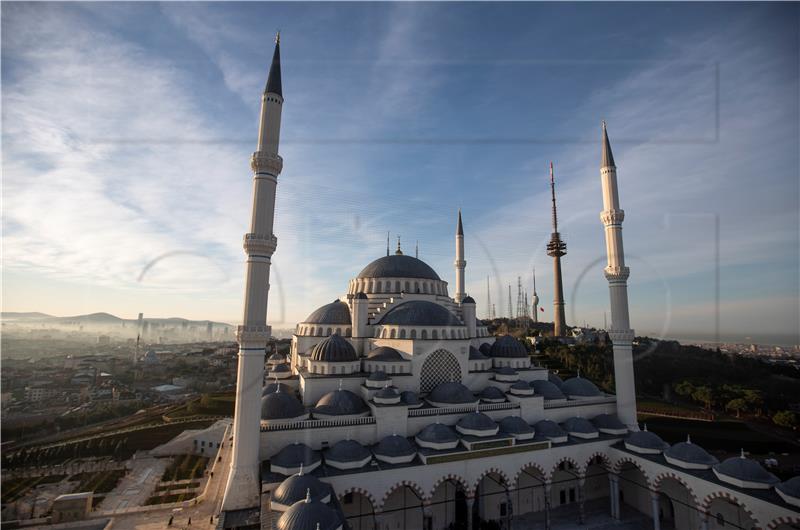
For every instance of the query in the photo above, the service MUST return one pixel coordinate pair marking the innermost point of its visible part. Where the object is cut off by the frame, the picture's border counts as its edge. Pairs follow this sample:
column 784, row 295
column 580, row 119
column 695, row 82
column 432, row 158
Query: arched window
column 319, row 331
column 424, row 334
column 452, row 333
column 425, row 288
column 329, row 331
column 347, row 332
column 394, row 333
column 435, row 335
column 397, row 286
column 385, row 333
column 378, row 287
column 444, row 334
column 377, row 332
column 393, row 368
column 440, row 366
column 416, row 287
column 408, row 286
column 413, row 333
column 339, row 331
column 402, row 333
column 322, row 369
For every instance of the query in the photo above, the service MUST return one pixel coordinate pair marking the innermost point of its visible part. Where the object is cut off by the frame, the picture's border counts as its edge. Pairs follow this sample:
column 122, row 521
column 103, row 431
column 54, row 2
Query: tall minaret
column 244, row 482
column 460, row 262
column 535, row 299
column 617, row 275
column 556, row 248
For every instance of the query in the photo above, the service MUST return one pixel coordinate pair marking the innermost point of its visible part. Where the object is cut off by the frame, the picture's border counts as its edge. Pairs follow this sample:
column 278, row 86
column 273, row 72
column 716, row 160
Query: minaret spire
column 460, row 263
column 244, row 480
column 387, row 243
column 556, row 248
column 617, row 275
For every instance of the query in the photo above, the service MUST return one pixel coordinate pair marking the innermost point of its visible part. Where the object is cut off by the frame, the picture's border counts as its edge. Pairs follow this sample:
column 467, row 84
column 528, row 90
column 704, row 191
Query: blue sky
column 127, row 130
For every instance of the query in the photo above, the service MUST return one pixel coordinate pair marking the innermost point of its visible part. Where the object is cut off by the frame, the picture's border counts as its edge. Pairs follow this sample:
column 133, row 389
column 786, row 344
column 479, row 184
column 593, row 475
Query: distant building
column 71, row 507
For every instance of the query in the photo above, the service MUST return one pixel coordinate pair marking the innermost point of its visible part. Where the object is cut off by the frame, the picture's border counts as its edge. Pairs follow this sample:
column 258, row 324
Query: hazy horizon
column 127, row 130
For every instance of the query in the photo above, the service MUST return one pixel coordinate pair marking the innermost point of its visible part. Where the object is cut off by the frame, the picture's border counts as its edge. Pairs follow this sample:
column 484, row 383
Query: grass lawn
column 98, row 481
column 185, row 467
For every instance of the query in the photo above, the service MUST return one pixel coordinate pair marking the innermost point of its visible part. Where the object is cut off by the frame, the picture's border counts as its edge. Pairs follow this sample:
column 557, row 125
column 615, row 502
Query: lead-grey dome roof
column 745, row 469
column 691, row 454
column 293, row 455
column 309, row 515
column 388, row 392
column 394, row 445
column 337, row 312
column 553, row 378
column 420, row 313
column 409, row 398
column 334, row 349
column 468, row 300
column 475, row 354
column 485, row 348
column 580, row 386
column 547, row 389
column 549, row 429
column 437, row 433
column 646, row 440
column 272, row 387
column 340, row 403
column 379, row 375
column 515, row 425
column 505, row 370
column 791, row 487
column 492, row 392
column 385, row 353
column 579, row 425
column 451, row 392
column 507, row 346
column 347, row 451
column 398, row 266
column 280, row 406
column 608, row 421
column 477, row 421
column 297, row 487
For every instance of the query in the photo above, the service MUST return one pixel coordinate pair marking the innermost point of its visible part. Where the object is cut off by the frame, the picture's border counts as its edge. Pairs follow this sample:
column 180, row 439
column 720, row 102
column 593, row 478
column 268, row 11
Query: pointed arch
column 606, row 461
column 507, row 482
column 535, row 465
column 561, row 460
column 360, row 491
column 451, row 477
column 630, row 460
column 413, row 486
column 724, row 495
column 670, row 475
column 788, row 520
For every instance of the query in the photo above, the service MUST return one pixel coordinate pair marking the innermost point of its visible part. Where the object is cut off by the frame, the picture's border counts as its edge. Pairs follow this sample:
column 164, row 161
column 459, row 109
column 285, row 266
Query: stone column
column 470, row 504
column 509, row 509
column 548, row 488
column 427, row 515
column 703, row 520
column 581, row 503
column 656, row 518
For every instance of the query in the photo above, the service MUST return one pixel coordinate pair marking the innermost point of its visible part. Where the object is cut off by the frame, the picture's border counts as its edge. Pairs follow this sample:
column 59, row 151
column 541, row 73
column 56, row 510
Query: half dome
column 507, row 346
column 340, row 403
column 451, row 393
column 334, row 349
column 420, row 313
column 337, row 312
column 385, row 354
column 281, row 406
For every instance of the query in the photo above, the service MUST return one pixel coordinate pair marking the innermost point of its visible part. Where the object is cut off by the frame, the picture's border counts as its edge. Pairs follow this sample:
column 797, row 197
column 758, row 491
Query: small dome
column 295, row 455
column 280, row 368
column 689, row 453
column 515, row 425
column 485, row 348
column 340, row 403
column 451, row 393
column 394, row 446
column 468, row 300
column 477, row 421
column 579, row 426
column 380, row 375
column 361, row 296
column 790, row 491
column 337, row 312
column 505, row 370
column 276, row 387
column 739, row 470
column 388, row 392
column 298, row 486
column 608, row 423
column 521, row 388
column 276, row 358
column 410, row 398
column 385, row 353
column 553, row 378
column 492, row 393
column 547, row 389
column 475, row 354
column 334, row 349
column 507, row 346
column 347, row 451
column 437, row 433
column 549, row 429
column 581, row 387
column 281, row 406
column 420, row 313
column 309, row 515
column 644, row 440
column 398, row 266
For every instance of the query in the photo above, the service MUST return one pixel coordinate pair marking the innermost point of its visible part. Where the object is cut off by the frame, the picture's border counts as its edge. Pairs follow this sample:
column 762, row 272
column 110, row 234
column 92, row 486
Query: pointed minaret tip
column 460, row 227
column 607, row 159
column 274, row 77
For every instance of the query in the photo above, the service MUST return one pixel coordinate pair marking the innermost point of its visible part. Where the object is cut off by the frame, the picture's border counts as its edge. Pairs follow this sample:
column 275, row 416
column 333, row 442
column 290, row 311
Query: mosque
column 396, row 409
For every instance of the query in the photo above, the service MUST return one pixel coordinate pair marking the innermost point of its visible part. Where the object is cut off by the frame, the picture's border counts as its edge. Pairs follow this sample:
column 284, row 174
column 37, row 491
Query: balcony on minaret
column 556, row 247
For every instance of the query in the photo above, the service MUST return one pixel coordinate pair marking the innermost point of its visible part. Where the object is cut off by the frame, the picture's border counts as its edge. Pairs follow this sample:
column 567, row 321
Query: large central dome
column 398, row 266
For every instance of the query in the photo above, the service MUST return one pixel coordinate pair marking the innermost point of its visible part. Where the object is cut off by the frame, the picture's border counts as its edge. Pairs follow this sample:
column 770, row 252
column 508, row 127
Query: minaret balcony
column 616, row 274
column 250, row 334
column 612, row 217
column 261, row 244
column 268, row 163
column 620, row 335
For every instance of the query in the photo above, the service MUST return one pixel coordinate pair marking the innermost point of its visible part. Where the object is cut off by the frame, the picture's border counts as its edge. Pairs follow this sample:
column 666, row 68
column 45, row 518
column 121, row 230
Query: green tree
column 737, row 405
column 785, row 418
column 704, row 395
column 754, row 400
column 684, row 388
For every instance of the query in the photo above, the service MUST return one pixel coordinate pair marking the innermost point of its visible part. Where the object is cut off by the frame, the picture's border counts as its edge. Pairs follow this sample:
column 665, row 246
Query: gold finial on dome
column 398, row 252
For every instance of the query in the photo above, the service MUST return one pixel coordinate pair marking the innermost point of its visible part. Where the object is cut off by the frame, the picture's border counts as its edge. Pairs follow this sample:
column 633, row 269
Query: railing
column 579, row 402
column 317, row 424
column 461, row 409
